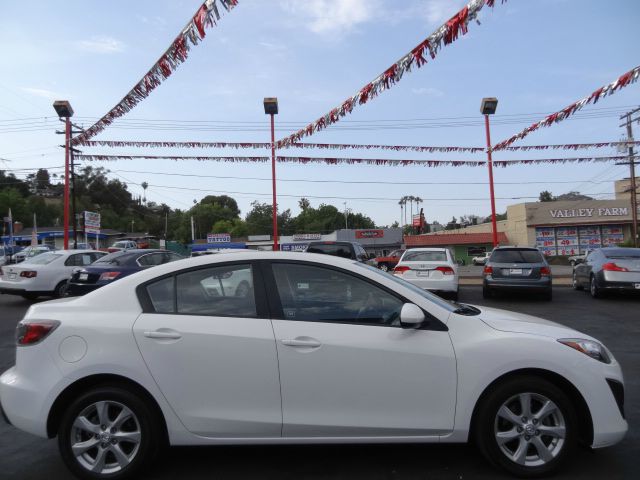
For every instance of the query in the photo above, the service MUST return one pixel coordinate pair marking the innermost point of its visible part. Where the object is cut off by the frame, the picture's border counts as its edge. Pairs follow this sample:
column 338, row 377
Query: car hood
column 507, row 321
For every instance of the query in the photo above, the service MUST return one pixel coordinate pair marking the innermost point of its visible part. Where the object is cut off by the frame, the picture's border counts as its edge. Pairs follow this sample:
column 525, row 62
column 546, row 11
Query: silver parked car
column 609, row 269
column 517, row 268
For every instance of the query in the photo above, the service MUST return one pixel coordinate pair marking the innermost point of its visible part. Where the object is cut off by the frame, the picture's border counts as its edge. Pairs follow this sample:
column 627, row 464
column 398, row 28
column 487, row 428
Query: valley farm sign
column 589, row 212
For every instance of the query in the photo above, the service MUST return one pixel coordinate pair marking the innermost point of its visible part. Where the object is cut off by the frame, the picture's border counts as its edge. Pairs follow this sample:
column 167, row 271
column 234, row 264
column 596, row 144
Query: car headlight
column 593, row 349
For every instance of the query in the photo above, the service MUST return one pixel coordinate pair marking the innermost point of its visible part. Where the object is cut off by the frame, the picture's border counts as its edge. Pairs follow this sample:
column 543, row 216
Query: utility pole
column 632, row 174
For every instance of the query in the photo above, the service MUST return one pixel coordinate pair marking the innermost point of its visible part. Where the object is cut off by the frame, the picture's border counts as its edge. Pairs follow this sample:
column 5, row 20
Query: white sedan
column 432, row 269
column 320, row 349
column 45, row 274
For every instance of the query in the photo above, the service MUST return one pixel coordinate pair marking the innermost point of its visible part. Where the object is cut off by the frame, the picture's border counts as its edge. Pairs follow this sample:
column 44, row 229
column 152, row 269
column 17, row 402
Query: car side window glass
column 162, row 295
column 317, row 294
column 85, row 259
column 74, row 261
column 225, row 291
column 151, row 259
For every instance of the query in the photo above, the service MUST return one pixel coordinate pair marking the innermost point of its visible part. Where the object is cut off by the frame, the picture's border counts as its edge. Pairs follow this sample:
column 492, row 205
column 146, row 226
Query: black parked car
column 609, row 269
column 516, row 268
column 116, row 265
column 352, row 250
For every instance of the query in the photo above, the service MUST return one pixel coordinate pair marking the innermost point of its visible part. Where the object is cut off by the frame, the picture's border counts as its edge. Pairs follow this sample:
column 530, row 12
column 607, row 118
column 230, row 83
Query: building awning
column 453, row 239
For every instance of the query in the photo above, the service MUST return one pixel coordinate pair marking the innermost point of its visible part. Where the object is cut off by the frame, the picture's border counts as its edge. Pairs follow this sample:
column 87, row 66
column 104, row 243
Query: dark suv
column 517, row 268
column 351, row 250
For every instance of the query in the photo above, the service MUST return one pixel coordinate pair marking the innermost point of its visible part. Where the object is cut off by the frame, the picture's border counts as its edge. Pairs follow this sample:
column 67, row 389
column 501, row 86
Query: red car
column 388, row 263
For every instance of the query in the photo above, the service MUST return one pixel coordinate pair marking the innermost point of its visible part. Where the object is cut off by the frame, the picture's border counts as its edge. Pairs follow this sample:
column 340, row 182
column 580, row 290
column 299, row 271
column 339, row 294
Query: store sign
column 579, row 239
column 91, row 222
column 218, row 238
column 259, row 238
column 293, row 247
column 306, row 236
column 589, row 212
column 369, row 233
column 416, row 220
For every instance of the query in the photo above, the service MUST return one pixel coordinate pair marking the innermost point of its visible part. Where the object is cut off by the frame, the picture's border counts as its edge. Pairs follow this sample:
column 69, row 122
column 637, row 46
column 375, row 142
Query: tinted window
column 218, row 291
column 516, row 256
column 152, row 259
column 79, row 260
column 114, row 258
column 623, row 253
column 331, row 249
column 162, row 295
column 425, row 257
column 318, row 294
column 172, row 257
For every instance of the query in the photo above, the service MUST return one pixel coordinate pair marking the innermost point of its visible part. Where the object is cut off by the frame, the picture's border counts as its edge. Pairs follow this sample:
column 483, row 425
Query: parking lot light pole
column 488, row 107
column 64, row 110
column 271, row 109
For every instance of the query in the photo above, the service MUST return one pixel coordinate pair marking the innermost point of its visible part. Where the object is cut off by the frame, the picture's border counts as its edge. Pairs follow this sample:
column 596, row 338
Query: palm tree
column 144, row 186
column 401, row 203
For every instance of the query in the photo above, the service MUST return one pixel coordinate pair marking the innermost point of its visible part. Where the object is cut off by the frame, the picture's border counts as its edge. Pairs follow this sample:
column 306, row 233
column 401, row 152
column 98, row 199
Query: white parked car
column 122, row 245
column 30, row 252
column 45, row 274
column 481, row 259
column 432, row 269
column 321, row 350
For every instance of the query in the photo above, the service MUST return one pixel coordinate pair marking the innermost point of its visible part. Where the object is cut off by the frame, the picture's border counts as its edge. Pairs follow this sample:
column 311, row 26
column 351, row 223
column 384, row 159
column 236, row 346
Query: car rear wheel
column 108, row 432
column 548, row 294
column 486, row 292
column 384, row 267
column 575, row 283
column 594, row 290
column 61, row 289
column 526, row 426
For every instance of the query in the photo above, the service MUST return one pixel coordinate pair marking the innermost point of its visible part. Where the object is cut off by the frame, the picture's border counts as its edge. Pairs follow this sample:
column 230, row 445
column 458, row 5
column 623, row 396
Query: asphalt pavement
column 615, row 321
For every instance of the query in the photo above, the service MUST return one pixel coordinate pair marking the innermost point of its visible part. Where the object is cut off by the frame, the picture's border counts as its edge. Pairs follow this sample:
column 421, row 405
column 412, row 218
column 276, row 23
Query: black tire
column 572, row 263
column 486, row 292
column 594, row 290
column 574, row 282
column 384, row 267
column 151, row 438
column 61, row 289
column 487, row 423
column 29, row 296
column 548, row 294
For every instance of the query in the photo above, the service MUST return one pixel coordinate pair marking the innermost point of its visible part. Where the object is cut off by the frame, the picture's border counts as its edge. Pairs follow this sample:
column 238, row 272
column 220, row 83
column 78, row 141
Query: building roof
column 453, row 239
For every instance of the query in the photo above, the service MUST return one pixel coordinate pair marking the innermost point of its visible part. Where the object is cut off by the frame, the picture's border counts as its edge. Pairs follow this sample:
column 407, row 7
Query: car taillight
column 401, row 269
column 612, row 267
column 488, row 270
column 28, row 274
column 445, row 270
column 108, row 276
column 30, row 333
column 545, row 271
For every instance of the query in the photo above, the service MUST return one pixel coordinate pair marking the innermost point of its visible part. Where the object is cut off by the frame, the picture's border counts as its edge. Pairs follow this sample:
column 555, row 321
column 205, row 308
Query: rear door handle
column 311, row 343
column 171, row 335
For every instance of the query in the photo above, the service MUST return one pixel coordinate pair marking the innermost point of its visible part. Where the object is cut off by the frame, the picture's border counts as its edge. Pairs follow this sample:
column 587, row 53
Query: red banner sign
column 369, row 233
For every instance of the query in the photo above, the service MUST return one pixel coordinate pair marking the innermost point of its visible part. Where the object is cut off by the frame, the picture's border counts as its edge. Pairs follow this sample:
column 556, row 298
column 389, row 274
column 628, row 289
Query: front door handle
column 298, row 342
column 164, row 335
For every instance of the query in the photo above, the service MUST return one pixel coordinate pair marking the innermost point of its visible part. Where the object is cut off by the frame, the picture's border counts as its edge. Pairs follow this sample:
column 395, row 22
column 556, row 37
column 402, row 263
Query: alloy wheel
column 105, row 437
column 530, row 429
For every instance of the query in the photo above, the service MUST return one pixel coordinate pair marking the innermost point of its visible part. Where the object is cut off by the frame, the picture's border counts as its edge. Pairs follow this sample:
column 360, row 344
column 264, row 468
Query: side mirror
column 411, row 316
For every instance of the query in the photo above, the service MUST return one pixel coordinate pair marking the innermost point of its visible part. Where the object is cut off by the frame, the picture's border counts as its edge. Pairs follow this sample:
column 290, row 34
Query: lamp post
column 271, row 109
column 488, row 107
column 64, row 110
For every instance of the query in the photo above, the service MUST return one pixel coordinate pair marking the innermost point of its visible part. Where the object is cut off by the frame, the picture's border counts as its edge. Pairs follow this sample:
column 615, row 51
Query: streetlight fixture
column 488, row 107
column 271, row 109
column 64, row 110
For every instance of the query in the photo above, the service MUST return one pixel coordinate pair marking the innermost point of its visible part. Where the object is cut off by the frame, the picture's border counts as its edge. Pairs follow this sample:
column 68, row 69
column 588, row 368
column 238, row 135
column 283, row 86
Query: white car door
column 347, row 367
column 212, row 354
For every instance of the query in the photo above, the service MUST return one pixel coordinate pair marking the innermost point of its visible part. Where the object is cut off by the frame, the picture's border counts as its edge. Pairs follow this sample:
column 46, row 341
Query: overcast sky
column 536, row 56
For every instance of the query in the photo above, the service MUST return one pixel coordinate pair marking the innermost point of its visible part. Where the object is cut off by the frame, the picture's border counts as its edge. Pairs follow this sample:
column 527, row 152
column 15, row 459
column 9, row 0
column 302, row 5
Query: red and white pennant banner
column 571, row 146
column 352, row 161
column 256, row 145
column 625, row 79
column 455, row 27
column 206, row 16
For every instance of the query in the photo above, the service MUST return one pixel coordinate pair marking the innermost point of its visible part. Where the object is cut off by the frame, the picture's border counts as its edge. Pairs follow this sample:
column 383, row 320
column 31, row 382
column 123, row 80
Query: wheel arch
column 65, row 397
column 585, row 422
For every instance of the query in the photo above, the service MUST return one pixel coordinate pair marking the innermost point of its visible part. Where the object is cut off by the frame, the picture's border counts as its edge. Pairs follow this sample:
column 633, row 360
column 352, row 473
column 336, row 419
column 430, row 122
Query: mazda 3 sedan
column 313, row 349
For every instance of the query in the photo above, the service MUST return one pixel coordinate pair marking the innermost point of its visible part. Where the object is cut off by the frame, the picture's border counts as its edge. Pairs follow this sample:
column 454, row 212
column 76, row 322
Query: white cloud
column 333, row 16
column 40, row 92
column 429, row 91
column 272, row 46
column 101, row 44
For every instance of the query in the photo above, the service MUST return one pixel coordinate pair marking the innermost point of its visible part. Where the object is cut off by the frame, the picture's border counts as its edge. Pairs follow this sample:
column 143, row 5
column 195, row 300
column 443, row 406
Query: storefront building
column 463, row 245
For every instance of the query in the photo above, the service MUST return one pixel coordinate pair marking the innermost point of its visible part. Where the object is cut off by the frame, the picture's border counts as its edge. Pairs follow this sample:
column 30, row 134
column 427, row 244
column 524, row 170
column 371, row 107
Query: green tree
column 546, row 196
column 259, row 220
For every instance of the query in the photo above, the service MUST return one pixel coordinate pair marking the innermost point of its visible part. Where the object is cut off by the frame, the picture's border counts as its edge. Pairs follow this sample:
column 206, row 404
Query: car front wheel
column 384, row 267
column 526, row 426
column 108, row 432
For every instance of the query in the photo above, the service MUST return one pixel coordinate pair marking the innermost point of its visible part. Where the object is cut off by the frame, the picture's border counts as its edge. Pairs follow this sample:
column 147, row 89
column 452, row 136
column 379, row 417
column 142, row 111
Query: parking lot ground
column 615, row 321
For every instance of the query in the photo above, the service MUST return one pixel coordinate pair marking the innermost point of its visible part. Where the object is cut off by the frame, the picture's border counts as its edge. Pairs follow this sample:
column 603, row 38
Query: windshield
column 623, row 253
column 516, row 256
column 43, row 259
column 330, row 249
column 449, row 306
column 437, row 256
column 114, row 258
